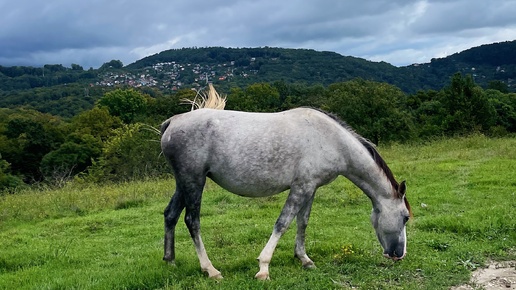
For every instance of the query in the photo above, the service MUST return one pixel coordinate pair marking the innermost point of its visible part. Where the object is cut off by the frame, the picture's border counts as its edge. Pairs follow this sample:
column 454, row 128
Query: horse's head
column 389, row 216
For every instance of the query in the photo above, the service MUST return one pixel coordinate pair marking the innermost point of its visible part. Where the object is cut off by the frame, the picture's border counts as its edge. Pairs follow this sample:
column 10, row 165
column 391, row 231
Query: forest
column 116, row 139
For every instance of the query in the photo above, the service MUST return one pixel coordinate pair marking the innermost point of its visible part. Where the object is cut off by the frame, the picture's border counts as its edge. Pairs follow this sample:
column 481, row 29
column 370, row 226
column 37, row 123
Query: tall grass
column 462, row 192
column 81, row 199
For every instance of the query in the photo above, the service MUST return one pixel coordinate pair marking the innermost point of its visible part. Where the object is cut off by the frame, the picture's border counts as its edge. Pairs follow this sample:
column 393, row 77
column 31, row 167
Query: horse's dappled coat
column 261, row 154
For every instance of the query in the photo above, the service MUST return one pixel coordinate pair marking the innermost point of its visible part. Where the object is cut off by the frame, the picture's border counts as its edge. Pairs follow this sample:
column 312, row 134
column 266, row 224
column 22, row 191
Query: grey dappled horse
column 262, row 154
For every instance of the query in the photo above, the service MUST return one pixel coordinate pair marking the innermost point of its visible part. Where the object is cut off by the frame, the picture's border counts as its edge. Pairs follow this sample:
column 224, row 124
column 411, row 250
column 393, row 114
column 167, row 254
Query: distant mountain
column 65, row 91
column 485, row 63
column 242, row 66
column 497, row 54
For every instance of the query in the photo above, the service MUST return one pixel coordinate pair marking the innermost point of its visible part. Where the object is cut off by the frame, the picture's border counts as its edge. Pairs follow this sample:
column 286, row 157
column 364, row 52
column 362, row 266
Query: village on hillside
column 174, row 76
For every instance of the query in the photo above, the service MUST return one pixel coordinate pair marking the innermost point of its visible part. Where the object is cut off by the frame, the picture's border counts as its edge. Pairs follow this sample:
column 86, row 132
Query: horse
column 262, row 154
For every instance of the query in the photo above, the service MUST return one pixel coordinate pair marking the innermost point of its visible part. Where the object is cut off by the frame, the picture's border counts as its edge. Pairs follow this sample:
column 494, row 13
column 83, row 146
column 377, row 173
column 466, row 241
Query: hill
column 248, row 65
column 243, row 65
column 486, row 63
column 65, row 91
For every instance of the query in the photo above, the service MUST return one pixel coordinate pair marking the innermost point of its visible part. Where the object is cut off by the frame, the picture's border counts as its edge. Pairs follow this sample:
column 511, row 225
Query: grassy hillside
column 110, row 237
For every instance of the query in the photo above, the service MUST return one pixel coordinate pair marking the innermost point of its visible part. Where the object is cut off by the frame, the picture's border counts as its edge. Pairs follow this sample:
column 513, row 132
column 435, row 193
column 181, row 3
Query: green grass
column 462, row 192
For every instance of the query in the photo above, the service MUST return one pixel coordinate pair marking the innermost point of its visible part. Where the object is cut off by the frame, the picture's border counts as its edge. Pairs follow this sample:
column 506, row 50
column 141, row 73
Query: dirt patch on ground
column 498, row 275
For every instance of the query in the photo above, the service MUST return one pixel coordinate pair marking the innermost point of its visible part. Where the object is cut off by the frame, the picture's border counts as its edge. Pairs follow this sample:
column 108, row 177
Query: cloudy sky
column 400, row 32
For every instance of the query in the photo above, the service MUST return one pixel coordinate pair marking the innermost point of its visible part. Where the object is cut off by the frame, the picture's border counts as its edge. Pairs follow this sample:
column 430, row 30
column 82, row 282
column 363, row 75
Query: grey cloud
column 455, row 16
column 95, row 31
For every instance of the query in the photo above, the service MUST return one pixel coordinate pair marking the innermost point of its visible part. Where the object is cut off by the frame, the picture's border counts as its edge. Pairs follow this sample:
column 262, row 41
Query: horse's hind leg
column 302, row 222
column 192, row 220
column 171, row 214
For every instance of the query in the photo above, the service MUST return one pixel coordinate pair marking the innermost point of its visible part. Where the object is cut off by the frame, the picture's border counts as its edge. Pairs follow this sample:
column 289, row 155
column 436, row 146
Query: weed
column 468, row 264
column 344, row 252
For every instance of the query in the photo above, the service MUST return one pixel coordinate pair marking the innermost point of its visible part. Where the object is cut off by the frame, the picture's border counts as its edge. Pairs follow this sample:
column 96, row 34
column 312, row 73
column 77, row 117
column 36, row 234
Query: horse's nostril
column 394, row 256
column 398, row 257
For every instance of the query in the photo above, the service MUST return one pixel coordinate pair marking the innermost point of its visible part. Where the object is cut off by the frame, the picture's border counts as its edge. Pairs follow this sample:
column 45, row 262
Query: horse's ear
column 402, row 188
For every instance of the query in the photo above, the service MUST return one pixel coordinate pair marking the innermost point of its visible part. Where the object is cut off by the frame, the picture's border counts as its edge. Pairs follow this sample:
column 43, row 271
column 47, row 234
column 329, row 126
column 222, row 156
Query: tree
column 77, row 67
column 54, row 68
column 259, row 97
column 467, row 107
column 72, row 157
column 372, row 109
column 499, row 86
column 125, row 104
column 82, row 147
column 133, row 152
column 7, row 180
column 96, row 122
column 116, row 64
column 30, row 136
column 164, row 107
column 505, row 106
column 427, row 113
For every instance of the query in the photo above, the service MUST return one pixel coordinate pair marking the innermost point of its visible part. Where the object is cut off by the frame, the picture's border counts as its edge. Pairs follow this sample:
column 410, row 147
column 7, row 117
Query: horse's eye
column 405, row 219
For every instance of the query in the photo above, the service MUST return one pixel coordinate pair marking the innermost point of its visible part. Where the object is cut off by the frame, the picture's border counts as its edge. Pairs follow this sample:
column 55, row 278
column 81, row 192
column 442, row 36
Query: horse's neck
column 368, row 176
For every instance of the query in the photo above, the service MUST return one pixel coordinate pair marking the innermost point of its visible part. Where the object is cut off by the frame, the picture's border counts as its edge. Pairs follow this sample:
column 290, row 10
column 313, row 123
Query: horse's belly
column 251, row 186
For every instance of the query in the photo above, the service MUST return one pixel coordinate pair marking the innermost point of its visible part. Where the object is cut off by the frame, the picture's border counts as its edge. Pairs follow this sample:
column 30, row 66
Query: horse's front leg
column 302, row 223
column 297, row 199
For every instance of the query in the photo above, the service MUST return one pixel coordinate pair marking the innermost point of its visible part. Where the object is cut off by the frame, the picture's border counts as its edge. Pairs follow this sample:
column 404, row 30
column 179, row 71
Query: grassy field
column 462, row 192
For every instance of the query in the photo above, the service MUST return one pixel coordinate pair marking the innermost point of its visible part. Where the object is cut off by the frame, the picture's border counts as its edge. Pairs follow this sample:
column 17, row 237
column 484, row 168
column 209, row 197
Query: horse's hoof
column 309, row 266
column 262, row 276
column 171, row 262
column 213, row 273
column 216, row 276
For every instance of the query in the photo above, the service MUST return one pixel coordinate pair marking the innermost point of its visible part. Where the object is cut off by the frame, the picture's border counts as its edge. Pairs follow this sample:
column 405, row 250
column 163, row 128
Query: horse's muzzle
column 394, row 255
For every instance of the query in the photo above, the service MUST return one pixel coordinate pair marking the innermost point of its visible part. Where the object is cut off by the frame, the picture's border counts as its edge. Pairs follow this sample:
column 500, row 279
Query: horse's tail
column 164, row 126
column 211, row 100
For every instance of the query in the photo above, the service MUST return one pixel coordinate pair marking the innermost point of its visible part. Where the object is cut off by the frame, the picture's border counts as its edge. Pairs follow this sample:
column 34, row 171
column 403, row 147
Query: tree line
column 118, row 140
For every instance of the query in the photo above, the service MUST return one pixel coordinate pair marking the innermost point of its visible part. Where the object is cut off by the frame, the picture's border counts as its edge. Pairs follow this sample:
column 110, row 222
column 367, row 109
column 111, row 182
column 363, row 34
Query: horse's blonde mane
column 210, row 100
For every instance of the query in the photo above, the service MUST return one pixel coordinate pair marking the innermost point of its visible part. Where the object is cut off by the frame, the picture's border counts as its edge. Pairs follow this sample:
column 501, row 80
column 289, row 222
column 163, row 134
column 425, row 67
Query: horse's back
column 243, row 131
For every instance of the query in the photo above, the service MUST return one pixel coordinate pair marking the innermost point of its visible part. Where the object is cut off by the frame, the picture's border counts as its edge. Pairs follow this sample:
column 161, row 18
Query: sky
column 400, row 32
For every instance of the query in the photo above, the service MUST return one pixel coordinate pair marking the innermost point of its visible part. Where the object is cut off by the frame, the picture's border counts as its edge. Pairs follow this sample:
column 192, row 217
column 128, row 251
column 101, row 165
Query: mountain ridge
column 487, row 62
column 73, row 89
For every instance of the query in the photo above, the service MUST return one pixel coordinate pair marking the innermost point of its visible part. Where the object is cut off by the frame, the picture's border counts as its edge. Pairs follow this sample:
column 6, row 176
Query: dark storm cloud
column 92, row 32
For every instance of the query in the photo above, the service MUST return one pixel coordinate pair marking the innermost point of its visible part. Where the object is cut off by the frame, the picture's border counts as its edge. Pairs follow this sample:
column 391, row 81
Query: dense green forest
column 83, row 130
column 117, row 139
